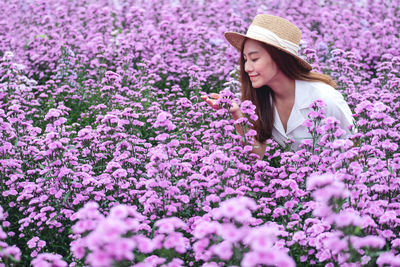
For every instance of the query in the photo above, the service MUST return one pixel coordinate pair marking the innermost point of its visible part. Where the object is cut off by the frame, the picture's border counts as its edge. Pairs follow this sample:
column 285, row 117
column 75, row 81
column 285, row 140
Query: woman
column 280, row 83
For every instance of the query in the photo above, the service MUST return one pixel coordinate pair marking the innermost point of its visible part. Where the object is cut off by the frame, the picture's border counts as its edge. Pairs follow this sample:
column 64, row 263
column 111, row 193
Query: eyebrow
column 251, row 53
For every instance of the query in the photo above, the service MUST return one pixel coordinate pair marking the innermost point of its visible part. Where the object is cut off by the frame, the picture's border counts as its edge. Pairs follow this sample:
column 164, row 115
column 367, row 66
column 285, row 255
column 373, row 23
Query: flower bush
column 109, row 157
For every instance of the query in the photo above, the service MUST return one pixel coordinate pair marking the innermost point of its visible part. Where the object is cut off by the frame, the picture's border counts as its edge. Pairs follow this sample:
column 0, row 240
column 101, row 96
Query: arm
column 258, row 148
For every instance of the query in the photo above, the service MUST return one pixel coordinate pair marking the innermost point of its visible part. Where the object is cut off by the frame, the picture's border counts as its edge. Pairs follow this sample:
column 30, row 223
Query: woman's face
column 258, row 64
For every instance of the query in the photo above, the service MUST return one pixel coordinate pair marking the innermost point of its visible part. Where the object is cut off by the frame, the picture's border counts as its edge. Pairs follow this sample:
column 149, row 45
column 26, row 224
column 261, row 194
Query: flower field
column 109, row 157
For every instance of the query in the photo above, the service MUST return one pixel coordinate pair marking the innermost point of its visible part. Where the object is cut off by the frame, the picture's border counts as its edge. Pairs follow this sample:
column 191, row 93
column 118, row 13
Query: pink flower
column 119, row 211
column 230, row 232
column 89, row 210
column 153, row 260
column 176, row 241
column 396, row 243
column 175, row 263
column 210, row 264
column 78, row 248
column 308, row 123
column 388, row 258
column 41, row 244
column 168, row 225
column 298, row 236
column 144, row 244
column 120, row 173
column 32, row 243
column 53, row 113
column 48, row 259
column 368, row 241
column 201, row 245
column 346, row 218
column 163, row 120
column 223, row 250
column 110, row 229
column 83, row 226
column 13, row 251
column 121, row 249
column 272, row 257
column 261, row 238
column 389, row 215
column 203, row 228
column 336, row 244
column 100, row 258
column 238, row 209
column 365, row 259
column 323, row 255
column 317, row 181
column 3, row 234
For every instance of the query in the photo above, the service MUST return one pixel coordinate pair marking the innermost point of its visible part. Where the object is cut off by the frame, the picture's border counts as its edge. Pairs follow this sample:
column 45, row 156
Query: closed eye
column 254, row 59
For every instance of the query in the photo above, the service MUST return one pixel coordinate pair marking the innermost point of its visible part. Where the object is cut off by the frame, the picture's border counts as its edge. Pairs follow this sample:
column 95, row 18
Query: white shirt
column 307, row 92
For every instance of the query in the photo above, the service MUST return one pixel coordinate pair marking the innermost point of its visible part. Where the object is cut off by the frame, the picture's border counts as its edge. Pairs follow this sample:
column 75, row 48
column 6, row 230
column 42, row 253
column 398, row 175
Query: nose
column 248, row 66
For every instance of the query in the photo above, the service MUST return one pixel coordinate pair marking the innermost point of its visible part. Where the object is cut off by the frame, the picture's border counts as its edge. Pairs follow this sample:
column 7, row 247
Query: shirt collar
column 302, row 100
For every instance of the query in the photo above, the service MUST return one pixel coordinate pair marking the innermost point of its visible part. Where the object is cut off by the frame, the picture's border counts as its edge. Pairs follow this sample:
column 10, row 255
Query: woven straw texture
column 280, row 26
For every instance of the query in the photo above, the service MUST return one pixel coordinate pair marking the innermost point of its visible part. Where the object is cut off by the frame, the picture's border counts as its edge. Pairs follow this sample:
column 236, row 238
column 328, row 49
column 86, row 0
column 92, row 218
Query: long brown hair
column 261, row 97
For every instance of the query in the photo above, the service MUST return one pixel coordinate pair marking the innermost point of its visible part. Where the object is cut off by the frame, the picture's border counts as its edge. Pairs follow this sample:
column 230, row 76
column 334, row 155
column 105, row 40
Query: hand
column 213, row 103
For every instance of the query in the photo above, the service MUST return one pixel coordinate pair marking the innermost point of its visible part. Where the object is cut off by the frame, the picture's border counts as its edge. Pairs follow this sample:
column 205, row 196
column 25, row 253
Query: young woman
column 280, row 83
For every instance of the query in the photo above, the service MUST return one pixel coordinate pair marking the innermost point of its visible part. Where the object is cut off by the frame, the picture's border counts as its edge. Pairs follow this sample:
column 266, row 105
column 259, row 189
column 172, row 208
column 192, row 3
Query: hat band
column 263, row 34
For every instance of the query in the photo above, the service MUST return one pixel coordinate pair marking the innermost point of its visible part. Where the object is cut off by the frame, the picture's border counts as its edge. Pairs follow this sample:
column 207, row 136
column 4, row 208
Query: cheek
column 273, row 68
column 262, row 66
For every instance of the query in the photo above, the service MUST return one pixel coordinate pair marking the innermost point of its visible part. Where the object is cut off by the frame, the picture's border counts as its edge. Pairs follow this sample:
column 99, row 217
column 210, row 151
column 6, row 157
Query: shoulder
column 309, row 91
column 335, row 104
column 315, row 87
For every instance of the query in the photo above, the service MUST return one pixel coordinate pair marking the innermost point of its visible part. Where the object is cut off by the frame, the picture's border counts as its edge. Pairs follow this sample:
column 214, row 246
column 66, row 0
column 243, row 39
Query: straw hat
column 272, row 30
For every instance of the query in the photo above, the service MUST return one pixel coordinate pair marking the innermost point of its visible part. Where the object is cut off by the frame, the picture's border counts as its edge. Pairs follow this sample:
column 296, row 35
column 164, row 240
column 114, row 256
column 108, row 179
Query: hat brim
column 236, row 40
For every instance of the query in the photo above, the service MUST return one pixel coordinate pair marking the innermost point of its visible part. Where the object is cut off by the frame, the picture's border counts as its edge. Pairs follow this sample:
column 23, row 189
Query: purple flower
column 272, row 257
column 53, row 114
column 169, row 225
column 176, row 241
column 318, row 181
column 99, row 258
column 223, row 250
column 345, row 218
column 144, row 244
column 262, row 238
column 230, row 232
column 368, row 241
column 48, row 259
column 388, row 258
column 203, row 228
column 238, row 209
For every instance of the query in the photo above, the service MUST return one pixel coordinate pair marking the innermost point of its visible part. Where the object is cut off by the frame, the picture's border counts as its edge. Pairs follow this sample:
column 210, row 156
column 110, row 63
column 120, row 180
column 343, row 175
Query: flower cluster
column 109, row 156
column 8, row 253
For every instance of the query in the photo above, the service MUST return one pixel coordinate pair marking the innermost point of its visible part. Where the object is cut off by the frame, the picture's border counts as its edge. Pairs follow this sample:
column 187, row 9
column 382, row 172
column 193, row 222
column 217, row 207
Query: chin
column 256, row 85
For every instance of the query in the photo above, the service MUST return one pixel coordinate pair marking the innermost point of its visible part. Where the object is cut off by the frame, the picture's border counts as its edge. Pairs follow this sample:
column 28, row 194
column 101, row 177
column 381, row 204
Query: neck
column 283, row 88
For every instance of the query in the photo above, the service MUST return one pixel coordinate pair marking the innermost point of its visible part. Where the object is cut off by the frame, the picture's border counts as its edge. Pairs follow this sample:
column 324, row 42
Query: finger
column 207, row 99
column 212, row 103
column 215, row 95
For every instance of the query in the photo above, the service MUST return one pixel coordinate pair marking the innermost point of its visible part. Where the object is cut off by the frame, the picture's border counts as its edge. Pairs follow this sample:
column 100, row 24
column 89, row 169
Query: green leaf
column 299, row 206
column 66, row 196
column 42, row 36
column 357, row 231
